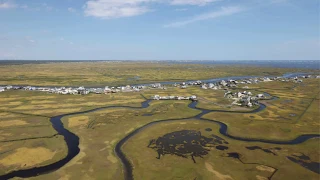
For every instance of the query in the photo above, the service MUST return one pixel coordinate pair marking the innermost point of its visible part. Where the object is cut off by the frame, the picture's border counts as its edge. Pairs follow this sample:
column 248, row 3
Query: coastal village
column 240, row 98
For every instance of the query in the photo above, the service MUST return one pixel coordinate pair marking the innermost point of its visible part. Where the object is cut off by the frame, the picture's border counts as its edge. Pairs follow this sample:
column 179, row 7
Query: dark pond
column 305, row 162
column 265, row 150
column 222, row 148
column 234, row 155
column 185, row 144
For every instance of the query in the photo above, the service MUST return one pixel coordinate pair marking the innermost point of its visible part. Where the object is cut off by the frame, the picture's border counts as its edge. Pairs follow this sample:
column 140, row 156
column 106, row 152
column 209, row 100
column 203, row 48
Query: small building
column 156, row 85
column 204, row 86
column 193, row 98
column 107, row 90
column 9, row 87
column 81, row 90
column 260, row 96
column 156, row 97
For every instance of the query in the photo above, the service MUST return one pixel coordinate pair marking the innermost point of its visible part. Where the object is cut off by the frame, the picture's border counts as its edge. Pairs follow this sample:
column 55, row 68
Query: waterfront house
column 9, row 87
column 156, row 97
column 210, row 85
column 204, row 86
column 156, row 85
column 193, row 98
column 81, row 90
column 99, row 91
column 260, row 96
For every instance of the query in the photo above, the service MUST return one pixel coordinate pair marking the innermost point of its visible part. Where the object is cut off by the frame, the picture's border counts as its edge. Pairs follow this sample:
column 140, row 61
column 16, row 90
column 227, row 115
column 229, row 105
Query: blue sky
column 160, row 29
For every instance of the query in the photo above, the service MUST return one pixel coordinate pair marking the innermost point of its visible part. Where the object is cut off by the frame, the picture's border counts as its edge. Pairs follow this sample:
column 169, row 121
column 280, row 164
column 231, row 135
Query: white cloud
column 192, row 2
column 224, row 11
column 30, row 39
column 24, row 6
column 46, row 7
column 7, row 5
column 107, row 9
column 181, row 9
column 72, row 10
column 277, row 1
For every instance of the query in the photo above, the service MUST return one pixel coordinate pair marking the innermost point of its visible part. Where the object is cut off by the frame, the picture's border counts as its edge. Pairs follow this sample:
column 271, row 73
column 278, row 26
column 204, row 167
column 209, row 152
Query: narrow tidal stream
column 72, row 140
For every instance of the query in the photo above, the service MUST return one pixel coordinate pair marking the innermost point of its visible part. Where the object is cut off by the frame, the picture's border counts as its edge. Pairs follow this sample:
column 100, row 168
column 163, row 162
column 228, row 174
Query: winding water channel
column 72, row 140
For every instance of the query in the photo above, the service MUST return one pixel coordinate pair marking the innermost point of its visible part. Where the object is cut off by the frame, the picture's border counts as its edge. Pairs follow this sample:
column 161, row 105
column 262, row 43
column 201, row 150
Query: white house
column 9, row 87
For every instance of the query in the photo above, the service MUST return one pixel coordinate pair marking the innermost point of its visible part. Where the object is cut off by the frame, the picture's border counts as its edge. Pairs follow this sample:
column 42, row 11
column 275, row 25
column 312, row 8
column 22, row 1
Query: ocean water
column 305, row 64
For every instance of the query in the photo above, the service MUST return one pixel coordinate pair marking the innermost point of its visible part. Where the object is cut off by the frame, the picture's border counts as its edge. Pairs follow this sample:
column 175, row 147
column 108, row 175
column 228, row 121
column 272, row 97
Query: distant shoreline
column 301, row 64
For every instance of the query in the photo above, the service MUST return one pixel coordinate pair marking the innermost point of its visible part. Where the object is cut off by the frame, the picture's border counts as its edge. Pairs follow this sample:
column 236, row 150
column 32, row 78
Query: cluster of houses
column 4, row 88
column 223, row 84
column 157, row 97
column 244, row 98
column 234, row 83
column 80, row 90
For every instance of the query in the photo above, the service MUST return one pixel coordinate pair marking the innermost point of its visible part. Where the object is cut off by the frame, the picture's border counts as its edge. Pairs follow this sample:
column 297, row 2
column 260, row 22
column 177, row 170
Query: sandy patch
column 78, row 121
column 14, row 103
column 102, row 149
column 43, row 102
column 261, row 177
column 8, row 99
column 183, row 123
column 113, row 141
column 216, row 173
column 65, row 177
column 111, row 157
column 10, row 115
column 129, row 130
column 27, row 157
column 40, row 98
column 12, row 123
column 94, row 104
column 265, row 168
column 4, row 136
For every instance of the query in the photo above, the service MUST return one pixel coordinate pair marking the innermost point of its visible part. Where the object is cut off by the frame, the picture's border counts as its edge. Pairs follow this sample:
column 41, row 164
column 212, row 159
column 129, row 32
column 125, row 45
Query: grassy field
column 99, row 132
column 48, row 105
column 27, row 138
column 296, row 112
column 25, row 128
column 256, row 164
column 25, row 154
column 208, row 98
column 121, row 73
